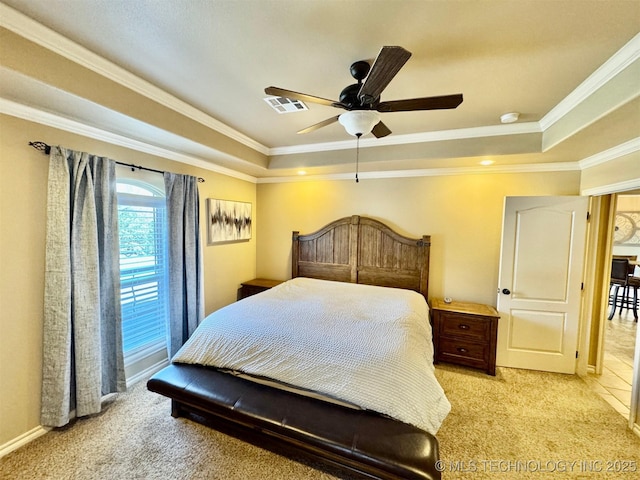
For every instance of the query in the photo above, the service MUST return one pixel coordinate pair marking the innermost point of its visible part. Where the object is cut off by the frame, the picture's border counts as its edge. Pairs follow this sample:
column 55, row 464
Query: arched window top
column 137, row 187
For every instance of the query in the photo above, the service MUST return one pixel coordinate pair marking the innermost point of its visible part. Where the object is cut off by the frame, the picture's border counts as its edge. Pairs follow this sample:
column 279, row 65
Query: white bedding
column 367, row 345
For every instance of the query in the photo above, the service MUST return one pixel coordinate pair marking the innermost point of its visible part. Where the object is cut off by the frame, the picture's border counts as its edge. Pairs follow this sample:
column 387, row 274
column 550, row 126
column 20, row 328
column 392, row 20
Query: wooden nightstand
column 256, row 285
column 465, row 334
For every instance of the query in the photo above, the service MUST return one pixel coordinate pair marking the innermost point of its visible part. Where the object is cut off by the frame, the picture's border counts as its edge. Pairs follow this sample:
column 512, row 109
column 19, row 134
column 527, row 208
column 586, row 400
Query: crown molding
column 32, row 114
column 431, row 172
column 619, row 187
column 620, row 60
column 424, row 137
column 605, row 156
column 47, row 38
column 25, row 112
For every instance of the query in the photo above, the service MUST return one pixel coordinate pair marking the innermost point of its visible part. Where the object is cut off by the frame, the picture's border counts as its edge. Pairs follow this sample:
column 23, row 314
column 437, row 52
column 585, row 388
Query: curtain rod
column 46, row 149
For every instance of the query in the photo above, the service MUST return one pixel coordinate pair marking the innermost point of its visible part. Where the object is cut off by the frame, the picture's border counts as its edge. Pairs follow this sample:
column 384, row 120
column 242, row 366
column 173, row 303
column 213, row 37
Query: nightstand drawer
column 456, row 324
column 458, row 348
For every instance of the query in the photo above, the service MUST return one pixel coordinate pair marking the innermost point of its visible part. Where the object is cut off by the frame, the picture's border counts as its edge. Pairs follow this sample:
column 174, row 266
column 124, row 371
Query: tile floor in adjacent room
column 614, row 385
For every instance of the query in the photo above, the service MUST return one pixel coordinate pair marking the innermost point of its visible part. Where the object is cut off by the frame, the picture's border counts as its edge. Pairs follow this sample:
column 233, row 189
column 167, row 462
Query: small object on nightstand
column 465, row 334
column 447, row 299
column 257, row 285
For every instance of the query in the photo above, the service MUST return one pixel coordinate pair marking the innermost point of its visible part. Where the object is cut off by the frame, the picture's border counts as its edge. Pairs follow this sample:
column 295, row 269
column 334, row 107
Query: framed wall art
column 228, row 221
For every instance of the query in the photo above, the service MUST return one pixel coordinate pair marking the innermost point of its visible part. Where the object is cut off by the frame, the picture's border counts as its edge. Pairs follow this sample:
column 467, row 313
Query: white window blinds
column 143, row 271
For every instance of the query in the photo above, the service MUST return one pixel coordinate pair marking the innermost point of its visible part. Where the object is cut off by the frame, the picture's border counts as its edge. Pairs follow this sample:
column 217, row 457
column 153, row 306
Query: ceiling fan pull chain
column 357, row 154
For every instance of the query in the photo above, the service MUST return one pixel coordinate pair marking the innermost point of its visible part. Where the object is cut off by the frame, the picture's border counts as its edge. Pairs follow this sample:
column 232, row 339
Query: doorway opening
column 614, row 380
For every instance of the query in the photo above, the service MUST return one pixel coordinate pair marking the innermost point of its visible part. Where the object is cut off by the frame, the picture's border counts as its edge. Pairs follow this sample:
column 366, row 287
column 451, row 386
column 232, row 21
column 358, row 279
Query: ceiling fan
column 362, row 100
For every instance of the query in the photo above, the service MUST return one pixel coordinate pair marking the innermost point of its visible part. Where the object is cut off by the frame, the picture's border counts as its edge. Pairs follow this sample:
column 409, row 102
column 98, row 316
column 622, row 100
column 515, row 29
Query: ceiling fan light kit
column 359, row 122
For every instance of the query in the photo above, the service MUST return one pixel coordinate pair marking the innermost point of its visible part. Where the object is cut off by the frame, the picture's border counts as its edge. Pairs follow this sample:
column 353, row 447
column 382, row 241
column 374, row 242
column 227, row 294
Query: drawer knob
column 462, row 326
column 462, row 350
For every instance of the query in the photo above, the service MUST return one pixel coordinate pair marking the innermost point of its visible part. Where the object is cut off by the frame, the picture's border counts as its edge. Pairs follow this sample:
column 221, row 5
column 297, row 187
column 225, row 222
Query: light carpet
column 519, row 424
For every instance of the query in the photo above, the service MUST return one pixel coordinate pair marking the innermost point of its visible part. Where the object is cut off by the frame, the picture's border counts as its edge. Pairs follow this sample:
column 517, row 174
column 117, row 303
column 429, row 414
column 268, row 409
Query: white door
column 539, row 286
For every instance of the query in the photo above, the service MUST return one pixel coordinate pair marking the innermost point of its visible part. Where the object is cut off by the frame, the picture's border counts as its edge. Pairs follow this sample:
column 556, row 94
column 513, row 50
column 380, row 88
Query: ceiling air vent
column 285, row 105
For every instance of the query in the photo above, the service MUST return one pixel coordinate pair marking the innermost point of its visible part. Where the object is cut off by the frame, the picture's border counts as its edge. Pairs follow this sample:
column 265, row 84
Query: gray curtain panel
column 82, row 343
column 185, row 258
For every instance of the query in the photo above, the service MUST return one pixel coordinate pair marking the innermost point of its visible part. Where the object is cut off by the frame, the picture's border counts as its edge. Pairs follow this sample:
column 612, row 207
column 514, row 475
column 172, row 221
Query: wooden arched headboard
column 363, row 250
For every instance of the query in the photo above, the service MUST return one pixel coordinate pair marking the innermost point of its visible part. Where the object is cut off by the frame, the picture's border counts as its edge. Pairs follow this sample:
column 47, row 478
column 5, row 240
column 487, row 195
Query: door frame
column 601, row 234
column 596, row 279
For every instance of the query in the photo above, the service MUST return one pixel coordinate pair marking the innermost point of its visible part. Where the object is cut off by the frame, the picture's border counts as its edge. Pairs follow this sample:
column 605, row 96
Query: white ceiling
column 218, row 56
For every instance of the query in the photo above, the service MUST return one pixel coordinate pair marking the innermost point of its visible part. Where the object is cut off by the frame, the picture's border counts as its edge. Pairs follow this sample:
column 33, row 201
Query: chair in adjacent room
column 633, row 283
column 620, row 277
column 631, row 258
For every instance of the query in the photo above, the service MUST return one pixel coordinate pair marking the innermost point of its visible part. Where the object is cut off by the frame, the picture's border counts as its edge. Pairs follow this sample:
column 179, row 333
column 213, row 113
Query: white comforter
column 368, row 345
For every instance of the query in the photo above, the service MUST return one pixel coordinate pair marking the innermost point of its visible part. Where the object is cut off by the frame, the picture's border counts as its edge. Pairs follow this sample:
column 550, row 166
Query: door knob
column 506, row 291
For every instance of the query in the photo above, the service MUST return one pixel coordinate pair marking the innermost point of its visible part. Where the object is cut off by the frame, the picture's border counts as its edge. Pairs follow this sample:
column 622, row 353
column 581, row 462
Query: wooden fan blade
column 387, row 64
column 281, row 92
column 426, row 103
column 324, row 123
column 380, row 130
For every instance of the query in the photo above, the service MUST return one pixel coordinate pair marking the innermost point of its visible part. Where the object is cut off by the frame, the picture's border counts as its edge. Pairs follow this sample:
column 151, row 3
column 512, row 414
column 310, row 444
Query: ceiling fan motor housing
column 349, row 98
column 349, row 95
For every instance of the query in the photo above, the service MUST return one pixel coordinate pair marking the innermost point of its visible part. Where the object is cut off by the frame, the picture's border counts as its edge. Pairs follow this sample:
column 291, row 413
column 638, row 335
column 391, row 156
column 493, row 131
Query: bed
column 300, row 390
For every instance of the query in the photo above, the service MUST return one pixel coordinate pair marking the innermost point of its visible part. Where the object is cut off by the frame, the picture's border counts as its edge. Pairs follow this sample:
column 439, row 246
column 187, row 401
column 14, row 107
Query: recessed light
column 486, row 162
column 302, row 172
column 509, row 117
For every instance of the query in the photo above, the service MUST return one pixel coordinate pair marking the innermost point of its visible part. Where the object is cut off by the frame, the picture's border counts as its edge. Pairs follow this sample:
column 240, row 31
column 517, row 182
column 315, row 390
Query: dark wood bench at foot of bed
column 359, row 440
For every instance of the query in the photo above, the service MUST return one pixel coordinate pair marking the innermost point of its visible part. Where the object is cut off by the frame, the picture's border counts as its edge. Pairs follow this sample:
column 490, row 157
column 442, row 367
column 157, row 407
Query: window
column 143, row 270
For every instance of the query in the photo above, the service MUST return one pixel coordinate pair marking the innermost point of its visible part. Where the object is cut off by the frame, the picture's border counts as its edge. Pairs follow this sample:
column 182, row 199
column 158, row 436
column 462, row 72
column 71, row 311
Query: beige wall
column 628, row 203
column 463, row 215
column 23, row 187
